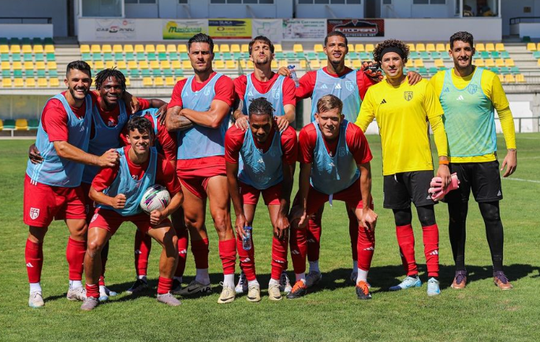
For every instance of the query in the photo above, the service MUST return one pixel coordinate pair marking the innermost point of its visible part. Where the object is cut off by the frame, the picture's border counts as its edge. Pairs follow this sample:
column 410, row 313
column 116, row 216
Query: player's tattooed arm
column 240, row 119
column 176, row 122
column 34, row 155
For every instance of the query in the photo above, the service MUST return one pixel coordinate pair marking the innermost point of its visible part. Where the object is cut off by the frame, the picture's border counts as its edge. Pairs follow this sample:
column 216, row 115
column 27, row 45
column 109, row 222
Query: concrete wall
column 515, row 8
column 322, row 11
column 55, row 9
column 27, row 30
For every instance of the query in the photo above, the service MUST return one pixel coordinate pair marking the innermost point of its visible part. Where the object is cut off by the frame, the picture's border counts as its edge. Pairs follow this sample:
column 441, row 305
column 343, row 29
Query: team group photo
column 412, row 170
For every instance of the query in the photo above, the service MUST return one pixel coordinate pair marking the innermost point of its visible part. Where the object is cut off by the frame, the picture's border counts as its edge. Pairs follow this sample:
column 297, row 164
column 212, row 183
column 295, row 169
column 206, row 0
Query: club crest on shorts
column 34, row 213
column 408, row 95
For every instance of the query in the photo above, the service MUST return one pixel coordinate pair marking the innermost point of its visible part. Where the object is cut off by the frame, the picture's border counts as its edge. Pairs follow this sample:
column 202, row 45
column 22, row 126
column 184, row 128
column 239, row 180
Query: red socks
column 75, row 257
column 365, row 247
column 279, row 257
column 299, row 248
column 33, row 254
column 405, row 238
column 199, row 248
column 314, row 236
column 143, row 246
column 92, row 290
column 182, row 251
column 430, row 235
column 164, row 285
column 227, row 254
column 247, row 259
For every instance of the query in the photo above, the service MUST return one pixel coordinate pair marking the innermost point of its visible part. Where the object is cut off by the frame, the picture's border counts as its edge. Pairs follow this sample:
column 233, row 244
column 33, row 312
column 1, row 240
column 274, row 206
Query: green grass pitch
column 330, row 312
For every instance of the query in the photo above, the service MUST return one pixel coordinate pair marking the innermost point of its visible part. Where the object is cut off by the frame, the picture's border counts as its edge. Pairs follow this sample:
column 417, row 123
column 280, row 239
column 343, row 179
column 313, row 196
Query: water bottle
column 293, row 75
column 246, row 241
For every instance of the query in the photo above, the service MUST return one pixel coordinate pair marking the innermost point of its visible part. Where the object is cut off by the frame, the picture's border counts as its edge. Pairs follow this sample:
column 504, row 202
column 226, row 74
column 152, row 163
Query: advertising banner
column 304, row 29
column 229, row 28
column 357, row 27
column 114, row 29
column 271, row 28
column 183, row 29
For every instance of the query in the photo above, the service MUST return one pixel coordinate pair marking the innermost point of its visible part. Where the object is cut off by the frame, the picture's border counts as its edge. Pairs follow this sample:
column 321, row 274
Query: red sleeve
column 358, row 144
column 307, row 84
column 176, row 97
column 105, row 178
column 364, row 82
column 289, row 145
column 143, row 104
column 166, row 176
column 240, row 84
column 225, row 90
column 306, row 144
column 289, row 92
column 167, row 141
column 54, row 121
column 234, row 139
column 94, row 98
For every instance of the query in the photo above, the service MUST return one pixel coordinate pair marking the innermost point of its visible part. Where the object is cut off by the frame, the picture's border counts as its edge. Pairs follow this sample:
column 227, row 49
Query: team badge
column 342, row 152
column 472, row 89
column 207, row 91
column 408, row 95
column 34, row 213
column 349, row 86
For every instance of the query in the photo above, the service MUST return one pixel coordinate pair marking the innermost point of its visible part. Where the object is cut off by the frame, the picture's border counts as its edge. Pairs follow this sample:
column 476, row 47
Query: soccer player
column 199, row 111
column 118, row 191
column 334, row 165
column 268, row 157
column 279, row 91
column 52, row 188
column 403, row 112
column 468, row 95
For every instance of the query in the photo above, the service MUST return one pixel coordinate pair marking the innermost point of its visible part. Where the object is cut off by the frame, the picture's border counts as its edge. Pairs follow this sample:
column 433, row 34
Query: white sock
column 142, row 277
column 203, row 277
column 355, row 265
column 102, row 290
column 301, row 276
column 314, row 266
column 253, row 282
column 35, row 287
column 73, row 284
column 362, row 276
column 273, row 282
column 228, row 279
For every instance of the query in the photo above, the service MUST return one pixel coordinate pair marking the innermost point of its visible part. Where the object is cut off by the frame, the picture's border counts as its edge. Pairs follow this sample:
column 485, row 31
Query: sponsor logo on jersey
column 338, row 86
column 383, row 101
column 460, row 98
column 446, row 90
column 408, row 95
column 324, row 86
column 34, row 213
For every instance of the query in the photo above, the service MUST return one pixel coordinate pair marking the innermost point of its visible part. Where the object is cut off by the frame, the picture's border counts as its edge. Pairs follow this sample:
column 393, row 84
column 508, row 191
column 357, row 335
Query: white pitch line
column 523, row 180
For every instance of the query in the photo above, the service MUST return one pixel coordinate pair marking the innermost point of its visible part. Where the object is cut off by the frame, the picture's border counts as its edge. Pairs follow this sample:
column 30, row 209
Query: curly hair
column 141, row 124
column 261, row 106
column 390, row 43
column 462, row 36
column 104, row 74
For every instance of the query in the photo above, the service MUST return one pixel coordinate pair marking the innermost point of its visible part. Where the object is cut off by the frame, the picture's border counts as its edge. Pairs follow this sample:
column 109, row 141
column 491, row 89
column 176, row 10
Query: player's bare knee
column 37, row 234
column 94, row 247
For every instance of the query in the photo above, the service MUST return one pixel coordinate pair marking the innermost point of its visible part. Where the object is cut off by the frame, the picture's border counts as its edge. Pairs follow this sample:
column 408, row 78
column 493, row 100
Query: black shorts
column 483, row 178
column 403, row 188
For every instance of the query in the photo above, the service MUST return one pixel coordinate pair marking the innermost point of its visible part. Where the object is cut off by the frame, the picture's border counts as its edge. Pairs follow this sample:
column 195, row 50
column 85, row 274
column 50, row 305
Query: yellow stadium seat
column 480, row 47
column 49, row 48
column 158, row 82
column 370, row 48
column 410, row 46
column 169, row 81
column 52, row 66
column 531, row 46
column 139, row 48
column 216, row 48
column 324, row 63
column 243, row 63
column 95, row 48
column 128, row 48
column 1, row 125
column 359, row 47
column 538, row 47
column 117, row 48
column 4, row 49
column 21, row 125
column 499, row 47
column 15, row 49
column 5, row 65
column 538, row 63
column 350, row 47
column 176, row 65
column 99, row 65
column 147, row 82
column 37, row 49
column 490, row 63
column 6, row 83
column 499, row 62
column 430, row 47
column 128, row 82
column 224, row 48
column 121, row 65
column 16, row 66
column 42, row 82
column 30, row 83
column 40, row 65
column 303, row 64
column 278, row 48
column 440, row 47
column 479, row 62
column 132, row 65
column 106, row 48
column 186, row 65
column 509, row 78
column 315, row 64
column 183, row 48
column 250, row 64
column 219, row 64
column 26, row 48
column 110, row 64
column 410, row 63
column 283, row 63
column 54, row 82
column 171, row 48
column 165, row 65
column 235, row 48
column 90, row 64
column 28, row 65
column 439, row 63
column 85, row 48
column 245, row 48
column 298, row 48
column 357, row 64
column 274, row 64
column 501, row 78
column 318, row 48
column 143, row 65
column 154, row 65
column 160, row 48
column 150, row 48
column 420, row 47
column 490, row 47
column 231, row 65
column 509, row 63
column 418, row 63
column 18, row 83
column 520, row 78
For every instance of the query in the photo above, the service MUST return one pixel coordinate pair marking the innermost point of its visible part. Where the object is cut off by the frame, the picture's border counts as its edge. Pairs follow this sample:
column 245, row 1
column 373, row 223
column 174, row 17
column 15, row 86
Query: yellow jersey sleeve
column 367, row 111
column 434, row 113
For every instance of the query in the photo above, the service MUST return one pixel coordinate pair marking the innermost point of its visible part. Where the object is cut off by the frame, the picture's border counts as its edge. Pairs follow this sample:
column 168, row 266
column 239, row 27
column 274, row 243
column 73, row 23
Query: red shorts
column 90, row 205
column 196, row 181
column 44, row 203
column 271, row 196
column 351, row 196
column 110, row 220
